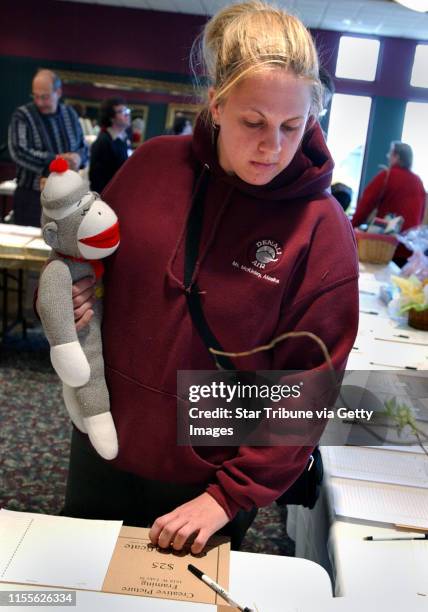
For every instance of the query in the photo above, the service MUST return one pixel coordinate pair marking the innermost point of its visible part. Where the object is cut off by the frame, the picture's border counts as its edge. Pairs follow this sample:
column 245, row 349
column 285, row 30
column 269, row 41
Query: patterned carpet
column 34, row 443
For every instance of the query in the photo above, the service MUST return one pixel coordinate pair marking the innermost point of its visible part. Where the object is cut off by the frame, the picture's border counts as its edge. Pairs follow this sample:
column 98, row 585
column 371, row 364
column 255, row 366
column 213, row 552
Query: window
column 419, row 73
column 357, row 58
column 415, row 133
column 347, row 134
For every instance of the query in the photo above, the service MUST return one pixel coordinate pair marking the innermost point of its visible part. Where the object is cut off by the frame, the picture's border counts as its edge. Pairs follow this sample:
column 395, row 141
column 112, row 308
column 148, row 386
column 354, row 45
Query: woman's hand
column 83, row 294
column 201, row 516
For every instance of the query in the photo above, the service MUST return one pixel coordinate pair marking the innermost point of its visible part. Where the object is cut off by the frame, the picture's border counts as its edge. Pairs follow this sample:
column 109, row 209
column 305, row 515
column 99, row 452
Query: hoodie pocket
column 146, row 424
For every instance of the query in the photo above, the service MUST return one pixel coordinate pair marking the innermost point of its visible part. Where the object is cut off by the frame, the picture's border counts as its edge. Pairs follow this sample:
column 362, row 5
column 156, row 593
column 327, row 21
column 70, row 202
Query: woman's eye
column 289, row 128
column 250, row 124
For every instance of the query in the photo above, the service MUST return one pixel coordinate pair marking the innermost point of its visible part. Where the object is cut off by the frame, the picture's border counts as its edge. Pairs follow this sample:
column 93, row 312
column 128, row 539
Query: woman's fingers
column 183, row 535
column 84, row 320
column 201, row 539
column 168, row 535
column 83, row 295
column 82, row 285
column 85, row 306
column 201, row 516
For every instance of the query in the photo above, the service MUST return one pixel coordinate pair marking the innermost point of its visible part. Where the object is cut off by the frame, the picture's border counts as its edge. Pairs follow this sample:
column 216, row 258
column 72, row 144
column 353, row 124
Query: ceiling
column 377, row 17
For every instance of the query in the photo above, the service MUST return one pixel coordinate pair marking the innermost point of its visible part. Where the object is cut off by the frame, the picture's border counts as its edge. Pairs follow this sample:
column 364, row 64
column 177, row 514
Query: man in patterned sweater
column 38, row 132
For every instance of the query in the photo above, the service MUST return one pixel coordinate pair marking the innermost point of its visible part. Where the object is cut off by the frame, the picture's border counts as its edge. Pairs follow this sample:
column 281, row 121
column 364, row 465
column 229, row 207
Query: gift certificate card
column 140, row 568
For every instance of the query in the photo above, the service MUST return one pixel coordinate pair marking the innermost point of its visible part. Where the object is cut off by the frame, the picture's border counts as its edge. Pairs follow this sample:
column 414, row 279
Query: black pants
column 97, row 490
column 26, row 207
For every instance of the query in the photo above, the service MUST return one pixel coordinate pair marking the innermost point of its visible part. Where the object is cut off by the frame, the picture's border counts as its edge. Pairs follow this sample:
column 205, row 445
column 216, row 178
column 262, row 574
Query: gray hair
column 404, row 153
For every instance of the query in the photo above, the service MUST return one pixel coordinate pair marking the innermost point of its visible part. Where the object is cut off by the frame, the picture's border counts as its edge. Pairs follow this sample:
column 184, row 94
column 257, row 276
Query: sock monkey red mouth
column 104, row 240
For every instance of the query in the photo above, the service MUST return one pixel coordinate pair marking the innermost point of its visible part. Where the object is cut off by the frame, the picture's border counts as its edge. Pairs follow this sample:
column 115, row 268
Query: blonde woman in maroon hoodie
column 276, row 254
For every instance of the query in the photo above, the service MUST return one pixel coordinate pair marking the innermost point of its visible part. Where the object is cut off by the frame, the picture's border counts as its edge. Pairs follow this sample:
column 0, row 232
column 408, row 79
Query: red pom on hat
column 58, row 165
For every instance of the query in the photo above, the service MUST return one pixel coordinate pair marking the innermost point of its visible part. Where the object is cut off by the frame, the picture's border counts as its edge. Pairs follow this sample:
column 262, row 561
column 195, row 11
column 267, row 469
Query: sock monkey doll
column 81, row 229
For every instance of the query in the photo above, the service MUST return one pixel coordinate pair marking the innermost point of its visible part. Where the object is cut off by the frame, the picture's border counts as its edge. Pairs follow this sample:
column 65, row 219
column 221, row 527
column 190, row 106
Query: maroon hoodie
column 308, row 283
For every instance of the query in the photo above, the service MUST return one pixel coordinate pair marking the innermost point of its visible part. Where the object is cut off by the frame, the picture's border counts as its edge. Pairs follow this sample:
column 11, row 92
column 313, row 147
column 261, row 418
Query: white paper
column 371, row 303
column 405, row 564
column 366, row 278
column 14, row 240
column 55, row 550
column 38, row 243
column 372, row 310
column 377, row 465
column 404, row 449
column 404, row 336
column 370, row 324
column 359, row 360
column 22, row 230
column 376, row 272
column 383, row 503
column 399, row 355
column 368, row 284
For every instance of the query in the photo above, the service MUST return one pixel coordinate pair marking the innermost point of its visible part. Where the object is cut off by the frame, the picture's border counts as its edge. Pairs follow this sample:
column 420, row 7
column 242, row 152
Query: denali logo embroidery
column 265, row 254
column 262, row 256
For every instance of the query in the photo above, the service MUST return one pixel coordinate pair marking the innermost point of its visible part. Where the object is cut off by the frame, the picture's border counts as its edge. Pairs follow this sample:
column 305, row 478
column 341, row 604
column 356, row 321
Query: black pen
column 395, row 538
column 372, row 312
column 216, row 587
column 411, row 342
column 391, row 365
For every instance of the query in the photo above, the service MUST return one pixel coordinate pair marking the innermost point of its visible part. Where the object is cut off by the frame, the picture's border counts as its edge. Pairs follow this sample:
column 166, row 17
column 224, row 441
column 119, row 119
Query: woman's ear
column 213, row 106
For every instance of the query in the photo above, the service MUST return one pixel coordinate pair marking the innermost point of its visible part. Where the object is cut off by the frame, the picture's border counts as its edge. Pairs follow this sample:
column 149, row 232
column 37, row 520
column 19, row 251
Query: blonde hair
column 253, row 36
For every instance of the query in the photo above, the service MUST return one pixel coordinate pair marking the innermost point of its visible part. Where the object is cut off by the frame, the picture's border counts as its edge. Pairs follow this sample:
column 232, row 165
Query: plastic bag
column 416, row 240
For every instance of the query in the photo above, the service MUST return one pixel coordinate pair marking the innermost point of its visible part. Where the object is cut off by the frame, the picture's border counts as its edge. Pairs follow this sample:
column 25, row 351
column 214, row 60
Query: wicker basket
column 418, row 319
column 375, row 248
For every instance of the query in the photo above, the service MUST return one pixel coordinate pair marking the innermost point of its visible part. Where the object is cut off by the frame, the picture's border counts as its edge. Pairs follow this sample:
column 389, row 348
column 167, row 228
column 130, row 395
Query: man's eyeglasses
column 124, row 111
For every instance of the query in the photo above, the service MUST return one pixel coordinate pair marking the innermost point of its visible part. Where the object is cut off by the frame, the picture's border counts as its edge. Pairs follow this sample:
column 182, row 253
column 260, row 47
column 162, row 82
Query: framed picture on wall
column 88, row 111
column 89, row 88
column 178, row 114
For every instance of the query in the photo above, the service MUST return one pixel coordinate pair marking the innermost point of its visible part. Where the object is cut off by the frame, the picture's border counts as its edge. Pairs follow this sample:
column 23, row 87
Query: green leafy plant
column 403, row 416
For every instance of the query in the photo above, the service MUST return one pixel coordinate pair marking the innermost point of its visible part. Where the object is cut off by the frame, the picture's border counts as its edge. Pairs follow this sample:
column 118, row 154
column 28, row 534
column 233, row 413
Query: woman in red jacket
column 276, row 254
column 396, row 190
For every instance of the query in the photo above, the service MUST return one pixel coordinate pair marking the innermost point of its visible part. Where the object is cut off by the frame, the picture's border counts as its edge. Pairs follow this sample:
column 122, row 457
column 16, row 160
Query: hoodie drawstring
column 196, row 213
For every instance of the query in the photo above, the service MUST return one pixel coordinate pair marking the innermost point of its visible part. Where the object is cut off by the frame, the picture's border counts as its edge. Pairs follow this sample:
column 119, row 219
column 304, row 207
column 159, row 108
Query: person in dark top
column 38, row 132
column 276, row 254
column 343, row 194
column 110, row 150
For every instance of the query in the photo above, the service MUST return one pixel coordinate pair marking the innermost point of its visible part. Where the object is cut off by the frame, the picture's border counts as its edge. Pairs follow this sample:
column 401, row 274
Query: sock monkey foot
column 102, row 434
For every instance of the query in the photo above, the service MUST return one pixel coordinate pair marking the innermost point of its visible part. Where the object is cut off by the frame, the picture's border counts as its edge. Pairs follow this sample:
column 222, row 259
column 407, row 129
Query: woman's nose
column 271, row 142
